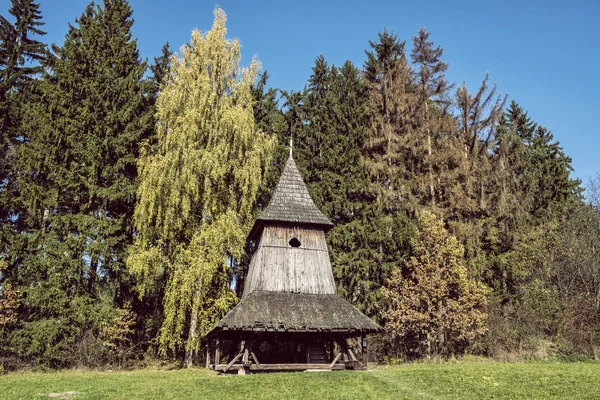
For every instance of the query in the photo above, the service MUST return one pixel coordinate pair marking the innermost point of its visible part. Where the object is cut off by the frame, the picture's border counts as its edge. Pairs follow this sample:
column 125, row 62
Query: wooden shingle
column 265, row 311
column 291, row 203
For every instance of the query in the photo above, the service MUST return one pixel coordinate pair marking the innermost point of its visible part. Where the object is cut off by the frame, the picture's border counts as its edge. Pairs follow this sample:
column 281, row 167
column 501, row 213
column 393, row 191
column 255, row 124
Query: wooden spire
column 291, row 203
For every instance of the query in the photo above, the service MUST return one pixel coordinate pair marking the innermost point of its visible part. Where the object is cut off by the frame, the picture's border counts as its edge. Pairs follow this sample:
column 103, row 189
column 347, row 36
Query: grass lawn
column 463, row 380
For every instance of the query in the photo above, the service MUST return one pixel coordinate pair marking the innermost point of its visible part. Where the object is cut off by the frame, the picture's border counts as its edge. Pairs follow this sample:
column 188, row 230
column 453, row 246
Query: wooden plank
column 207, row 357
column 232, row 361
column 282, row 367
column 254, row 358
column 351, row 354
column 295, row 367
column 245, row 359
column 335, row 360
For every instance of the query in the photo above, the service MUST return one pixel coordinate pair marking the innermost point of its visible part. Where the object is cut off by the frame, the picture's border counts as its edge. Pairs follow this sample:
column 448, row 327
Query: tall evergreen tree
column 550, row 168
column 389, row 154
column 198, row 186
column 21, row 56
column 432, row 119
column 160, row 69
column 393, row 150
column 329, row 151
column 478, row 115
column 79, row 181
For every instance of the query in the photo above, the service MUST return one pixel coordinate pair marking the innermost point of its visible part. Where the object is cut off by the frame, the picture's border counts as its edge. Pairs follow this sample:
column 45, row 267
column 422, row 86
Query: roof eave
column 259, row 224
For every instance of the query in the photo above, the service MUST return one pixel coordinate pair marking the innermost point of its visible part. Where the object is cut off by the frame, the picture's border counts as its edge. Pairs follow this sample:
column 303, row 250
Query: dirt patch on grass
column 63, row 395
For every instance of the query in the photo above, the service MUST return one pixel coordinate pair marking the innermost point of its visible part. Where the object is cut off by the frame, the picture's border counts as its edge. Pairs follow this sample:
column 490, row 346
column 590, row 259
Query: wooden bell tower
column 290, row 316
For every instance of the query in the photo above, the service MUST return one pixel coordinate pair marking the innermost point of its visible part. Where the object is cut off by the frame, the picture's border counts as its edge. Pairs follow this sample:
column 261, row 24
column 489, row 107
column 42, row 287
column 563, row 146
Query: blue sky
column 544, row 54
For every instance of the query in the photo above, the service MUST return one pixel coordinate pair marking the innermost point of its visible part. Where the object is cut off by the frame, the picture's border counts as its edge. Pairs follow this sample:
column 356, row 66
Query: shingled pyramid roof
column 295, row 312
column 291, row 202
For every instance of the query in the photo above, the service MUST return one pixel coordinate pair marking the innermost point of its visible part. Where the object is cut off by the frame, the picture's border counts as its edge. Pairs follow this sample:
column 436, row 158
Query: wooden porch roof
column 263, row 311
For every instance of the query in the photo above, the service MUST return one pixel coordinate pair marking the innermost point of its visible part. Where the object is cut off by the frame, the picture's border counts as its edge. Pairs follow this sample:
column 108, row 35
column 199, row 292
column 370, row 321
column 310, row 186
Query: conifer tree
column 328, row 149
column 432, row 118
column 160, row 68
column 79, row 180
column 393, row 151
column 269, row 118
column 470, row 201
column 21, row 57
column 198, row 186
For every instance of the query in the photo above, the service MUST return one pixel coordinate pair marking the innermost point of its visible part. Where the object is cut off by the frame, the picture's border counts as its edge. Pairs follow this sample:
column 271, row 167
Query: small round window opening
column 294, row 242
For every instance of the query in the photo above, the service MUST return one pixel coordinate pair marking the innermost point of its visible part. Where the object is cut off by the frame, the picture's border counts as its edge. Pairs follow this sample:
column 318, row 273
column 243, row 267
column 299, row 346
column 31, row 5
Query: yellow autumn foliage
column 434, row 306
column 198, row 184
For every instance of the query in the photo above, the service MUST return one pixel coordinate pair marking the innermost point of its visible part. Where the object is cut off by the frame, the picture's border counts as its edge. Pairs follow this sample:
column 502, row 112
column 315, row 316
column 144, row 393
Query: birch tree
column 198, row 185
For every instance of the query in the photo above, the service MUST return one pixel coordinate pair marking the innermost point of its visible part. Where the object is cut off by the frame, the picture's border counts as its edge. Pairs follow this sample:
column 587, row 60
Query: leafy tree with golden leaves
column 198, row 186
column 434, row 307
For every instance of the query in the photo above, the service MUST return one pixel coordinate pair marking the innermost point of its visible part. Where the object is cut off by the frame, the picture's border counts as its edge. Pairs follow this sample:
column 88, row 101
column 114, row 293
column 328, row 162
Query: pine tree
column 434, row 306
column 198, row 186
column 79, row 180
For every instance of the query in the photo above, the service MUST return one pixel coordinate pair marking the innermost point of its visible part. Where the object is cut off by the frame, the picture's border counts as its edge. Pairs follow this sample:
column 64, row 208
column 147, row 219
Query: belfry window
column 294, row 242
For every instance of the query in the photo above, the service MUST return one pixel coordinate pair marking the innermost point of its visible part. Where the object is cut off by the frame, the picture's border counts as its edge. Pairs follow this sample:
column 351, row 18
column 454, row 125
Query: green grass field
column 476, row 380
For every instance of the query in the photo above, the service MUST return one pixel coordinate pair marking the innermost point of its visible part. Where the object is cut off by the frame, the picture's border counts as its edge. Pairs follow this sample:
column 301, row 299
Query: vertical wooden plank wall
column 277, row 266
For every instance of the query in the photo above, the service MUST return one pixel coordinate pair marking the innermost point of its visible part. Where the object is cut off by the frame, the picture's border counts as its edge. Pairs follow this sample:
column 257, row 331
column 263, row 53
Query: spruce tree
column 329, row 151
column 393, row 151
column 432, row 118
column 21, row 58
column 160, row 69
column 79, row 180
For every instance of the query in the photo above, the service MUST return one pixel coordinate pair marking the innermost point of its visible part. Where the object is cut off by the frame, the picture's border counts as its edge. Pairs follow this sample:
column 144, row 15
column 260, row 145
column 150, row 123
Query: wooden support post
column 207, row 355
column 245, row 358
column 247, row 348
column 364, row 350
column 331, row 350
column 218, row 352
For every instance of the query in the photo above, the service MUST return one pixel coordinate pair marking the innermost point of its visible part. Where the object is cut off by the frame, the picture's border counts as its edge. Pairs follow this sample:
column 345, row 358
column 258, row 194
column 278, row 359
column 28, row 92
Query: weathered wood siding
column 277, row 266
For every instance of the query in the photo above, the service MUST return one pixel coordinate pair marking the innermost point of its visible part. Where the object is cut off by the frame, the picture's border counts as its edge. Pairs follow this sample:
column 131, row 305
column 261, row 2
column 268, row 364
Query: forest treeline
column 127, row 190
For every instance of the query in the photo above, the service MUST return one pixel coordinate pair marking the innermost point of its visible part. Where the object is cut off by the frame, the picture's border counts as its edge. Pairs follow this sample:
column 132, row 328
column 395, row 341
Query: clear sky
column 544, row 54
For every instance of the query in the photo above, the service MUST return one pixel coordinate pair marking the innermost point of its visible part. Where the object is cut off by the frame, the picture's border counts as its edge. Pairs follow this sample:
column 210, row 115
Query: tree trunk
column 191, row 340
column 429, row 345
column 431, row 190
